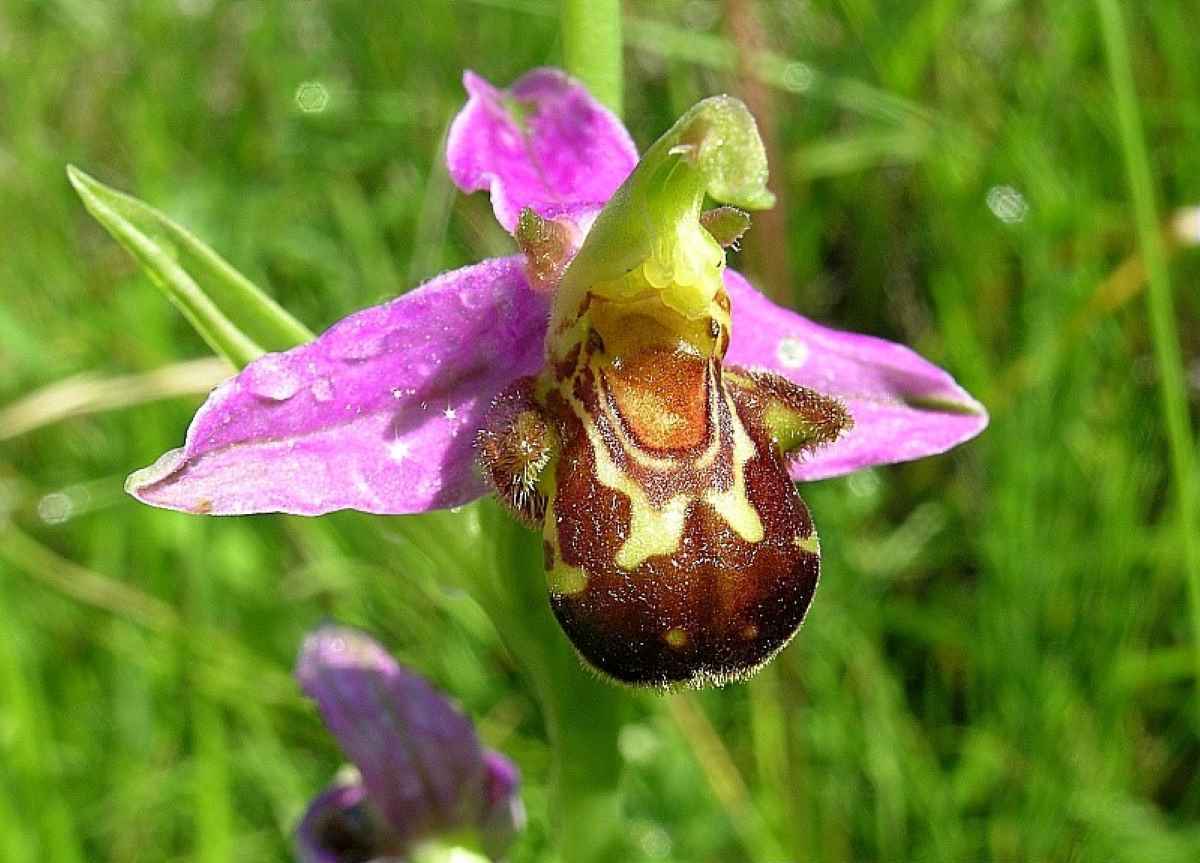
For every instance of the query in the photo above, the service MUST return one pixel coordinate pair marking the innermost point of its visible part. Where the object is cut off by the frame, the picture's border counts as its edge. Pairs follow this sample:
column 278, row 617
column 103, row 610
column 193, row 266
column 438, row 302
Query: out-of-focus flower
column 640, row 403
column 419, row 770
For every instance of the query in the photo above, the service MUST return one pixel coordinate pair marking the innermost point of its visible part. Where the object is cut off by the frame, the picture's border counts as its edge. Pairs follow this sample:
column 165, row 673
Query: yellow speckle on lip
column 566, row 580
column 810, row 543
column 749, row 631
column 675, row 637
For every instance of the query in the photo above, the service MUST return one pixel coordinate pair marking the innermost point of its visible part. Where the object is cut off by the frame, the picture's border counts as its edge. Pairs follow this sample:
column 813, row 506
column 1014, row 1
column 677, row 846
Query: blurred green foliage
column 998, row 665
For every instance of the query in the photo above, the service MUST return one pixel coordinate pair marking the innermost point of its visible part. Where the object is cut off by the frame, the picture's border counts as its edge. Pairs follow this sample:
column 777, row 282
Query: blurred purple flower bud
column 421, row 770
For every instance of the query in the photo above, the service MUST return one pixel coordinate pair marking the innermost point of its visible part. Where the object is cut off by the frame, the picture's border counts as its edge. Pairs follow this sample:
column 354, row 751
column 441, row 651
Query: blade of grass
column 88, row 393
column 212, row 839
column 229, row 311
column 30, row 755
column 1159, row 300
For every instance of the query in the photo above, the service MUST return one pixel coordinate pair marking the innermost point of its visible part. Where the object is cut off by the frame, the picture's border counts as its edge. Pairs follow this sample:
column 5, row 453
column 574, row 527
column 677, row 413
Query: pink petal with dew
column 378, row 414
column 543, row 143
column 904, row 407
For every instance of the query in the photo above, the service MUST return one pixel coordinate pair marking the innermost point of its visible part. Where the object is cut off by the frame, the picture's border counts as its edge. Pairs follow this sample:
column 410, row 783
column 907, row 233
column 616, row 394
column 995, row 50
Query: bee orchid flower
column 621, row 391
column 419, row 771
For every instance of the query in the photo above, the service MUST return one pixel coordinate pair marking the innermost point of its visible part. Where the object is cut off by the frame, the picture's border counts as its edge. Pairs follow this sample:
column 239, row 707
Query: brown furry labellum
column 677, row 549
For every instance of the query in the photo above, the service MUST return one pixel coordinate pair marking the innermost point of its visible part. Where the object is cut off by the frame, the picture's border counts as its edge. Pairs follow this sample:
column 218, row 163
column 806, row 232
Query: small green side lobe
column 649, row 237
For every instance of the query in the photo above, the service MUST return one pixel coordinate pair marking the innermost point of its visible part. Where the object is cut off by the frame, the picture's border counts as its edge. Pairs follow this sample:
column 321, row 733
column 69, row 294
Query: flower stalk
column 591, row 36
column 583, row 714
column 587, row 763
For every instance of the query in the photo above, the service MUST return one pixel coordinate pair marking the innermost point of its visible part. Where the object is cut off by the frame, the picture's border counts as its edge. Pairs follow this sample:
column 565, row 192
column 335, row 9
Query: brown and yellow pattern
column 677, row 549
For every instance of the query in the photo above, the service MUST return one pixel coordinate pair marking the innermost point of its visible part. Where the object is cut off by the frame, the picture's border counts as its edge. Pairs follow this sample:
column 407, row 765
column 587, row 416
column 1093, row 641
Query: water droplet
column 322, row 389
column 312, row 97
column 792, row 352
column 194, row 8
column 356, row 350
column 398, row 450
column 471, row 299
column 798, row 77
column 655, row 842
column 271, row 377
column 864, row 483
column 1007, row 204
column 55, row 508
column 637, row 743
column 1186, row 225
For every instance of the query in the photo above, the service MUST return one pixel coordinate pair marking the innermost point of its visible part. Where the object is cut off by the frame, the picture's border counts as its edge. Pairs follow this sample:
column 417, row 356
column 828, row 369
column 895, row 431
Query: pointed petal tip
column 378, row 414
column 904, row 407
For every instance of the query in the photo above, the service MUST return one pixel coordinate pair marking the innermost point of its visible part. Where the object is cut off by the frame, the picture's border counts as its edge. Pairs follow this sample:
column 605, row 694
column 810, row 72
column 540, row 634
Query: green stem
column 1160, row 303
column 583, row 714
column 591, row 35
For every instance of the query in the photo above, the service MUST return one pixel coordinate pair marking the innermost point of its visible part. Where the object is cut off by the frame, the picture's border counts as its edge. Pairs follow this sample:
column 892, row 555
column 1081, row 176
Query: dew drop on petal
column 322, row 389
column 471, row 299
column 1007, row 204
column 356, row 350
column 272, row 377
column 792, row 352
column 398, row 450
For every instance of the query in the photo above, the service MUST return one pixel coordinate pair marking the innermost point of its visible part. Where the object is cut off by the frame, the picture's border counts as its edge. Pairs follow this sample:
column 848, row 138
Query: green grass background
column 999, row 664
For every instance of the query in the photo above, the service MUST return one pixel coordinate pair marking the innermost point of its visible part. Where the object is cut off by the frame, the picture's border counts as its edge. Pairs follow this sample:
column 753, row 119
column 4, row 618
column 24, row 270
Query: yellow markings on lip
column 734, row 504
column 659, row 530
column 566, row 580
column 653, row 531
column 661, row 463
column 675, row 637
column 810, row 543
column 562, row 578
